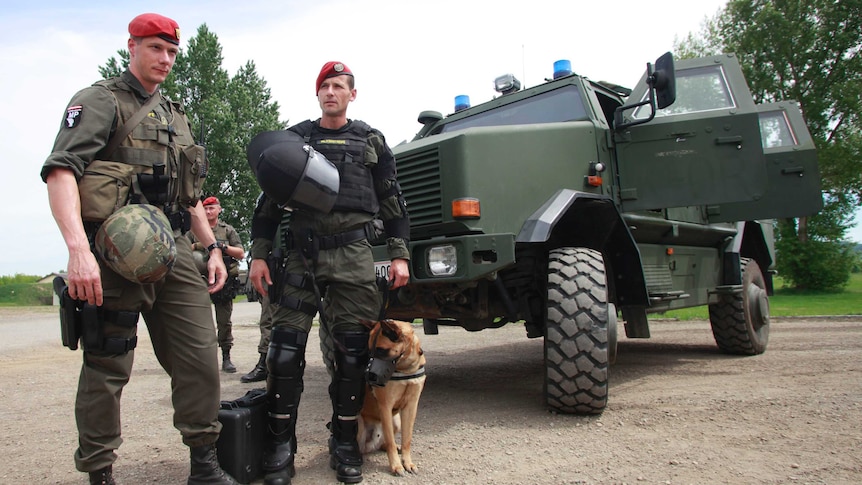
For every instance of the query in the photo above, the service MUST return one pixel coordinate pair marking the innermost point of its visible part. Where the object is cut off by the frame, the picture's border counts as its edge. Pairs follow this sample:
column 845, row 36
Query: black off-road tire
column 740, row 321
column 576, row 334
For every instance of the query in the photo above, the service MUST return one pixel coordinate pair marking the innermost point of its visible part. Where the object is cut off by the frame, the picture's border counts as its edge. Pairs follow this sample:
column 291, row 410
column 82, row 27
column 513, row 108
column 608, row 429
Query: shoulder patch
column 73, row 115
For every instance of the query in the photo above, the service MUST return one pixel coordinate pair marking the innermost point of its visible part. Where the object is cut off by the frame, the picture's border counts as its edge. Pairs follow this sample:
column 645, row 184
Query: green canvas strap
column 130, row 125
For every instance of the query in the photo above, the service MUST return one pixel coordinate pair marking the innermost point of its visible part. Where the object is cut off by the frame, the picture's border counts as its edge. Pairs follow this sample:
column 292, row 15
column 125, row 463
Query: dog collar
column 400, row 376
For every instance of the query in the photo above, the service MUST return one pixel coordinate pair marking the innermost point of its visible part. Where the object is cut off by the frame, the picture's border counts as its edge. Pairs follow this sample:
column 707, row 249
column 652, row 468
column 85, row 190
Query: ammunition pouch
column 375, row 231
column 154, row 186
column 180, row 220
column 231, row 265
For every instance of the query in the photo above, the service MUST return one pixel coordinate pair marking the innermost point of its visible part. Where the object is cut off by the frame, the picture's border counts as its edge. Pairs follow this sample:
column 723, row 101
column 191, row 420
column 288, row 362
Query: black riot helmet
column 292, row 173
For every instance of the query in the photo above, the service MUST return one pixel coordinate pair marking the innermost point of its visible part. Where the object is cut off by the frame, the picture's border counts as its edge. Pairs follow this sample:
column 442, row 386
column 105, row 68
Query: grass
column 789, row 302
column 785, row 302
column 26, row 294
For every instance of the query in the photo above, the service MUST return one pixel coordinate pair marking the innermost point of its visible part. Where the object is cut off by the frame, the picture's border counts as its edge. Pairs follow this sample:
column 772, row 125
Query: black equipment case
column 240, row 444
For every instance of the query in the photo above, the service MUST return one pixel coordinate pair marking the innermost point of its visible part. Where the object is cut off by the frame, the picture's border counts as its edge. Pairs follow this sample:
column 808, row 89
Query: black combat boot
column 102, row 477
column 285, row 363
column 226, row 364
column 258, row 373
column 347, row 392
column 206, row 469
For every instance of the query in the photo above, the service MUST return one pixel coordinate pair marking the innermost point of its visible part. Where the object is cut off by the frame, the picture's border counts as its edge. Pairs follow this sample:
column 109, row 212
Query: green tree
column 226, row 112
column 808, row 51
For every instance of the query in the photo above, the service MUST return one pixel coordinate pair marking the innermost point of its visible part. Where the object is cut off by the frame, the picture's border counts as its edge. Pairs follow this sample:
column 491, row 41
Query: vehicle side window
column 698, row 90
column 775, row 130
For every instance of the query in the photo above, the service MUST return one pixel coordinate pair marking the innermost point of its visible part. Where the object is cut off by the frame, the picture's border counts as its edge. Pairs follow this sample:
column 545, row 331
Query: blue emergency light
column 563, row 67
column 462, row 101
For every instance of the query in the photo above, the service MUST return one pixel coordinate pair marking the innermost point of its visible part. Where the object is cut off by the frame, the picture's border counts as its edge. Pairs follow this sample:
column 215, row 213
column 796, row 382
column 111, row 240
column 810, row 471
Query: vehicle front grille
column 419, row 176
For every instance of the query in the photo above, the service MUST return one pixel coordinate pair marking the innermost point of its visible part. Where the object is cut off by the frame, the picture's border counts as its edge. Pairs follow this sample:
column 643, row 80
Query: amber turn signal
column 594, row 180
column 467, row 208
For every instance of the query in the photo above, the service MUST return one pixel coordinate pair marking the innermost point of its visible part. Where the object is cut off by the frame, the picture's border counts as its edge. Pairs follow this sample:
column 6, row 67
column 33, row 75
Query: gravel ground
column 679, row 411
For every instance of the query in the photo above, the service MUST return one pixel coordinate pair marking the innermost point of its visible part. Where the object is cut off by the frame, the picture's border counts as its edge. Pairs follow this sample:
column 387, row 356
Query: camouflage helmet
column 137, row 242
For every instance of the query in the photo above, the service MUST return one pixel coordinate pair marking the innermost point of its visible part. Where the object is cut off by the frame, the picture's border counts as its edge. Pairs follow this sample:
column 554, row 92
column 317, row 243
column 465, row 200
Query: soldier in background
column 123, row 128
column 231, row 249
column 259, row 372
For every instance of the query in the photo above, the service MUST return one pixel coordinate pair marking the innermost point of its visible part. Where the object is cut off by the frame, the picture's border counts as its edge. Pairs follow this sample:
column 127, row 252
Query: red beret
column 153, row 24
column 211, row 200
column 331, row 69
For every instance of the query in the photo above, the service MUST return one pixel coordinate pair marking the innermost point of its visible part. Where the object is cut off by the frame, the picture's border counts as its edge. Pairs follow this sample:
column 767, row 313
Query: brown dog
column 394, row 404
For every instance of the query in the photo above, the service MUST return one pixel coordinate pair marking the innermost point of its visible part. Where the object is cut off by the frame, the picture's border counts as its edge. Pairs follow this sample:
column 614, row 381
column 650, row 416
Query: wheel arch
column 571, row 218
column 753, row 240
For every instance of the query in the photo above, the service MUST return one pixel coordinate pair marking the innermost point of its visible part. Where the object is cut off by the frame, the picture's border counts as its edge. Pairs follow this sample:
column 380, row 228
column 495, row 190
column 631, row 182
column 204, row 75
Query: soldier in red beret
column 336, row 247
column 125, row 127
column 232, row 251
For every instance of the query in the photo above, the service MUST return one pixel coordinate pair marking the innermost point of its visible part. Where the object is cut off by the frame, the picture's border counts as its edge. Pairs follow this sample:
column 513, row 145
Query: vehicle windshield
column 564, row 104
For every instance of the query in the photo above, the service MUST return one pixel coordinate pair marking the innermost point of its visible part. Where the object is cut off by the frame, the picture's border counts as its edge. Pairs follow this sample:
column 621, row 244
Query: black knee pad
column 348, row 386
column 351, row 354
column 286, row 355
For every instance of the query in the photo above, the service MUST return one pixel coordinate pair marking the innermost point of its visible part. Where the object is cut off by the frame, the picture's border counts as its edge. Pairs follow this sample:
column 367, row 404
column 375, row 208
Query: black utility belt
column 342, row 238
column 304, row 237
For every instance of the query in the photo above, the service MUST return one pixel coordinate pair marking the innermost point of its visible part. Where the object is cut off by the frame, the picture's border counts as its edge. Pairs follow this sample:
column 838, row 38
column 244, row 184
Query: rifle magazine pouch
column 104, row 188
column 241, row 441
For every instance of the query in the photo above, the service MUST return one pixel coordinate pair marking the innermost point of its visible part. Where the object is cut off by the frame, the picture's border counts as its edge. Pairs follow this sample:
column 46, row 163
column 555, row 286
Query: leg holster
column 347, row 392
column 100, row 328
column 285, row 364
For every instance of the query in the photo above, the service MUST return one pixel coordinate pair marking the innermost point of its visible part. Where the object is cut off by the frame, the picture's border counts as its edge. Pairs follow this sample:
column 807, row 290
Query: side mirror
column 664, row 81
column 661, row 92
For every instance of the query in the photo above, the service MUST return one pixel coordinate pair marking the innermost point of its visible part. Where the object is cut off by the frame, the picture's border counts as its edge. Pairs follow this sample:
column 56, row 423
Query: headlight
column 442, row 260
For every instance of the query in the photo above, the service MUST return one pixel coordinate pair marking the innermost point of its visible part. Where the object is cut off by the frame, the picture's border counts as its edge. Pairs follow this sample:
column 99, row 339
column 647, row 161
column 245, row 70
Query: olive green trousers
column 179, row 319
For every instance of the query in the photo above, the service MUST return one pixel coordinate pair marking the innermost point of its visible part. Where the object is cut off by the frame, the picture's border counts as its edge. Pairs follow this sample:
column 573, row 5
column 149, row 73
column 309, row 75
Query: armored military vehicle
column 574, row 205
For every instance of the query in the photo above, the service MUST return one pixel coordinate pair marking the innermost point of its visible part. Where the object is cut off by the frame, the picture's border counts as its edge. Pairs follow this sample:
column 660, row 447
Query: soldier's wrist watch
column 215, row 245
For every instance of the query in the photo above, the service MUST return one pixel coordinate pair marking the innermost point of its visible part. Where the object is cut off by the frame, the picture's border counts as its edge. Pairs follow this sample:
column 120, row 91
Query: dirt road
column 679, row 412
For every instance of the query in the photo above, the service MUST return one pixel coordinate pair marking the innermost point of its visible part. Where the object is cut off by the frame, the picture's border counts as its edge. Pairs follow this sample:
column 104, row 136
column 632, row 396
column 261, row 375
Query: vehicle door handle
column 793, row 171
column 729, row 140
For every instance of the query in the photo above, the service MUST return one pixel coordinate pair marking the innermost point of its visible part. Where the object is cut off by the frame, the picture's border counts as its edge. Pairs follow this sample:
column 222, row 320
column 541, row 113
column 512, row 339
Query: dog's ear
column 369, row 324
column 390, row 330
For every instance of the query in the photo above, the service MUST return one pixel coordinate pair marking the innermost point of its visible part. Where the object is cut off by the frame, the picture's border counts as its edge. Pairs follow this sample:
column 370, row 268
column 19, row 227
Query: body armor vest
column 158, row 162
column 346, row 150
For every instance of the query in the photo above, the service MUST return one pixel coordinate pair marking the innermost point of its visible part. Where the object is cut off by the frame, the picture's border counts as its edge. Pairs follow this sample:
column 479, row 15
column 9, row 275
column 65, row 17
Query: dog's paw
column 411, row 467
column 398, row 470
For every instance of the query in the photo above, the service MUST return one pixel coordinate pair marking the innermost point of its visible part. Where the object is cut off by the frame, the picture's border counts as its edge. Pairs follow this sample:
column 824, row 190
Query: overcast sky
column 407, row 56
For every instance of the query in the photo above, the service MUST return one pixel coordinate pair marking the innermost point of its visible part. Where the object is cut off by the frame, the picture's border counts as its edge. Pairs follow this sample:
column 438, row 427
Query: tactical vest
column 346, row 149
column 220, row 233
column 158, row 162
